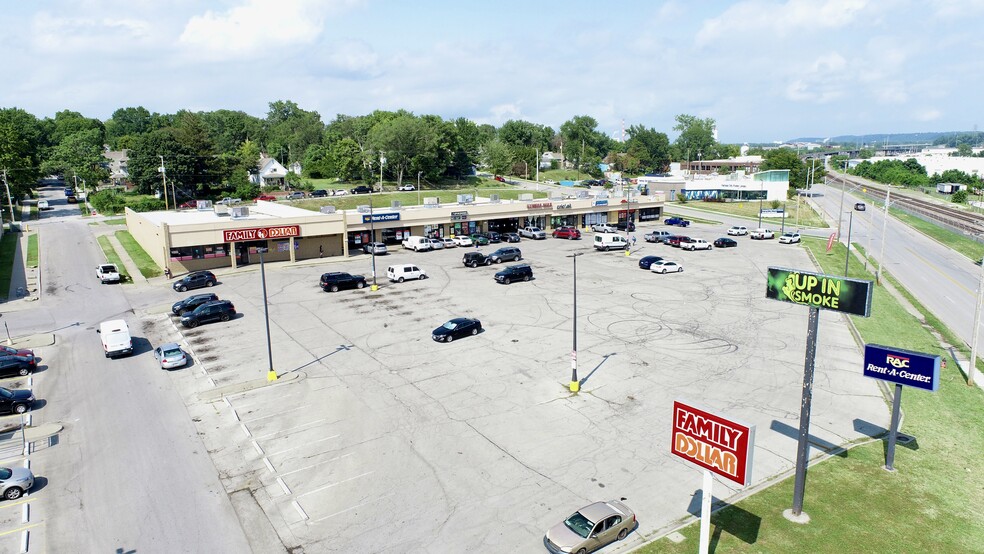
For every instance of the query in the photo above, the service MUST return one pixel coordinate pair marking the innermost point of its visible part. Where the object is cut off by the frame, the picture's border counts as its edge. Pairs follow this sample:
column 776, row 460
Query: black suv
column 521, row 272
column 217, row 310
column 319, row 193
column 493, row 236
column 506, row 254
column 511, row 237
column 361, row 189
column 621, row 225
column 17, row 365
column 475, row 259
column 195, row 280
column 182, row 307
column 333, row 282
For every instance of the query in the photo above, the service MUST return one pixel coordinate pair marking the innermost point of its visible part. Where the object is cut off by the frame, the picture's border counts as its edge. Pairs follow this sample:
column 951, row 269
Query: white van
column 42, row 204
column 416, row 243
column 608, row 241
column 115, row 336
column 400, row 273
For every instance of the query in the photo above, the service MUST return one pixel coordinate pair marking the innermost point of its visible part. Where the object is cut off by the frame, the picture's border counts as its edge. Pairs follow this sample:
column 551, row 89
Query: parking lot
column 389, row 441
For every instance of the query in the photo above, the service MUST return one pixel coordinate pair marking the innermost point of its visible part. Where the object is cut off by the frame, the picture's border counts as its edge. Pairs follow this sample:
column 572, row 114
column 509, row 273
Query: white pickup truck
column 108, row 273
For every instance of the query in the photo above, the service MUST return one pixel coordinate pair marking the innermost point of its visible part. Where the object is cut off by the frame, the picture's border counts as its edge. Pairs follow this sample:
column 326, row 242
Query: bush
column 959, row 197
column 107, row 201
column 681, row 198
column 146, row 204
column 775, row 204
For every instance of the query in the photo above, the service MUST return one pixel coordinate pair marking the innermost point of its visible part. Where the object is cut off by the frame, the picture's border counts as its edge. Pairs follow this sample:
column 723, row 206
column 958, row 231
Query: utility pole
column 164, row 177
column 840, row 211
column 888, row 195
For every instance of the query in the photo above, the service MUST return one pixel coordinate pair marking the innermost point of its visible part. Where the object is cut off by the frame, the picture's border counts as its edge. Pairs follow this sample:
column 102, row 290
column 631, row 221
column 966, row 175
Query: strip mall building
column 220, row 237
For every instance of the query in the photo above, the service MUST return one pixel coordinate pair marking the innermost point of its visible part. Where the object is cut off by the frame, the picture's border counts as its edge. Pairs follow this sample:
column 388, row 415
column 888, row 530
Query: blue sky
column 765, row 70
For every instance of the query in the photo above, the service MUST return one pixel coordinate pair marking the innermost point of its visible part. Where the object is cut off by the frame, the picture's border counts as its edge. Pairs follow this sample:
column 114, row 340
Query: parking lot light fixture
column 271, row 374
column 847, row 259
column 575, row 384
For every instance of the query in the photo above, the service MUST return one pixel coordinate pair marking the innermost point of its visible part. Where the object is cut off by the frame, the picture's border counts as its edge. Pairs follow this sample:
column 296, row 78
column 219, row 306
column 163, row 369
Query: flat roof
column 259, row 211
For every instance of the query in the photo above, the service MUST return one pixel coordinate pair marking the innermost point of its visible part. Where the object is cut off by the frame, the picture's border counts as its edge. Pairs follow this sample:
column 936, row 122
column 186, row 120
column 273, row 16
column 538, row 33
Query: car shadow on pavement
column 141, row 345
column 793, row 433
column 727, row 518
column 39, row 484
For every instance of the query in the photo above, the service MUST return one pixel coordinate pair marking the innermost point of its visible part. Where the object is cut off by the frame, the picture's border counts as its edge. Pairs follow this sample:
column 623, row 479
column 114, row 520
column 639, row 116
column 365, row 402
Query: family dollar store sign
column 714, row 443
column 852, row 296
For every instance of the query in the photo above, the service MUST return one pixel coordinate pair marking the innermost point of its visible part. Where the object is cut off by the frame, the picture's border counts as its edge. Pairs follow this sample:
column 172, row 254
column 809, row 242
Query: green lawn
column 960, row 243
column 114, row 258
column 139, row 256
column 690, row 218
column 32, row 250
column 750, row 210
column 384, row 200
column 930, row 504
column 8, row 250
column 115, row 221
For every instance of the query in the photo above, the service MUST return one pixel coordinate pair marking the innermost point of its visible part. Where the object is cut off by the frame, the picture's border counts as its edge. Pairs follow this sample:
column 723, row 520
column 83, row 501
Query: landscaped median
column 148, row 268
column 114, row 258
column 931, row 503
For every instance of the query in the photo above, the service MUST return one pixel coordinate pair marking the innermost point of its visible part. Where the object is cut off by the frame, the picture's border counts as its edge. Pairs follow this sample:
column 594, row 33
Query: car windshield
column 172, row 352
column 107, row 268
column 450, row 326
column 6, row 393
column 579, row 524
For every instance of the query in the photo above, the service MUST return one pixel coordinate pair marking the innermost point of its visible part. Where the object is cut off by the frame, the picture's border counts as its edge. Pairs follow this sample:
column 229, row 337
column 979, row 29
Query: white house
column 271, row 172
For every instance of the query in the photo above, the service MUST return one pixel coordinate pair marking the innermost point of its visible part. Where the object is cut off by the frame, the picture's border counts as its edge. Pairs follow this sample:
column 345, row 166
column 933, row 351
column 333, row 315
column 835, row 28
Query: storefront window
column 185, row 253
column 394, row 236
column 649, row 214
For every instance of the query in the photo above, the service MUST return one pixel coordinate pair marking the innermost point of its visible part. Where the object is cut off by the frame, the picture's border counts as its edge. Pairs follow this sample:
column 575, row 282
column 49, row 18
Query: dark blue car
column 646, row 261
column 678, row 221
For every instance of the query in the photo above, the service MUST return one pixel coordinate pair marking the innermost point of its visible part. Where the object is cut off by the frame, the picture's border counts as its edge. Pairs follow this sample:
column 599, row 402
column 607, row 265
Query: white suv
column 738, row 230
column 532, row 233
column 760, row 234
column 603, row 228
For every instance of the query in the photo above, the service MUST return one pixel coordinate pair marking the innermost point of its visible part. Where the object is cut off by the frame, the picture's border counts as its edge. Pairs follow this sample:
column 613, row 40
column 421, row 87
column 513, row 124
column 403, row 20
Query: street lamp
column 372, row 224
column 761, row 197
column 575, row 384
column 847, row 259
column 271, row 374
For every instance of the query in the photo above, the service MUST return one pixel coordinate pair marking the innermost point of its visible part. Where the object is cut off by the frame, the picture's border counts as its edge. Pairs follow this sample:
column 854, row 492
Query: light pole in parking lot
column 271, row 374
column 575, row 384
column 372, row 223
column 761, row 197
column 847, row 259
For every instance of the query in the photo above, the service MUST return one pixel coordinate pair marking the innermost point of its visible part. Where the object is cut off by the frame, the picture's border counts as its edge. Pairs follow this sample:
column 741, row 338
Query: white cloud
column 772, row 19
column 928, row 114
column 60, row 35
column 256, row 26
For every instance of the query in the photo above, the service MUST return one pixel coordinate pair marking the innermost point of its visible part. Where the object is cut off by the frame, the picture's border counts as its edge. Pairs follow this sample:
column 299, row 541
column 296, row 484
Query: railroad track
column 969, row 223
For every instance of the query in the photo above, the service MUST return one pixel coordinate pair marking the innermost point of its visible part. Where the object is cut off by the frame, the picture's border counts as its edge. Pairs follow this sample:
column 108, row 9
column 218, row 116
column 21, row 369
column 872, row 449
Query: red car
column 676, row 239
column 566, row 233
column 267, row 198
column 8, row 351
column 191, row 204
column 500, row 179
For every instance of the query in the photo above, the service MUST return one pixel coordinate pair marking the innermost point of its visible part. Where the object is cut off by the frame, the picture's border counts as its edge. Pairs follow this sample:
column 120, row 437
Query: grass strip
column 808, row 217
column 114, row 258
column 958, row 242
column 8, row 252
column 148, row 268
column 928, row 505
column 32, row 250
column 115, row 221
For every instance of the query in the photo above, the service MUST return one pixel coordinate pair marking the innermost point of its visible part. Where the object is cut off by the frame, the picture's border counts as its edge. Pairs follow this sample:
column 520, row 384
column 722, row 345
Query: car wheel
column 583, row 551
column 488, row 262
column 209, row 283
column 400, row 280
column 334, row 288
column 225, row 317
column 422, row 277
column 23, row 371
column 360, row 284
column 622, row 534
column 664, row 271
column 506, row 281
column 449, row 339
column 13, row 493
column 182, row 288
column 607, row 248
column 473, row 264
column 20, row 408
column 474, row 332
column 192, row 324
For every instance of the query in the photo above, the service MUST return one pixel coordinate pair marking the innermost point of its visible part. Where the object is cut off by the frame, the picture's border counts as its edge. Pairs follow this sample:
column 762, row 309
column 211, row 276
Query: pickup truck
column 695, row 244
column 533, row 233
column 762, row 234
column 108, row 273
column 679, row 221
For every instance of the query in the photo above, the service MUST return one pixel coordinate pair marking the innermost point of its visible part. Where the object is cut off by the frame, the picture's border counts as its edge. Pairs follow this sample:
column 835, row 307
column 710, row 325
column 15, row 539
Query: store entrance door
column 242, row 254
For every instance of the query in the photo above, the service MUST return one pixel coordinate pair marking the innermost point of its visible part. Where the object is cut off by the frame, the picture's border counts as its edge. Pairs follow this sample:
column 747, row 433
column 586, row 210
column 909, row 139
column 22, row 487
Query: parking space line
column 308, row 424
column 359, row 505
column 277, row 401
column 284, row 486
column 23, row 528
column 300, row 510
column 330, row 485
column 335, row 459
column 286, row 450
column 24, row 500
column 278, row 414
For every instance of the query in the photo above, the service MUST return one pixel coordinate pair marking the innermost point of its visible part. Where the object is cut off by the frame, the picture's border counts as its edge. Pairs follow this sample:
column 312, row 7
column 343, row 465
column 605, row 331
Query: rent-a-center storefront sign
column 261, row 233
column 852, row 296
column 713, row 443
column 903, row 367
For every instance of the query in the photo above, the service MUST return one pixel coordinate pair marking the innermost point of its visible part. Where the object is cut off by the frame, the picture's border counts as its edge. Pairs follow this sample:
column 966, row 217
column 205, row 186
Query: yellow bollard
column 271, row 375
column 373, row 288
column 575, row 386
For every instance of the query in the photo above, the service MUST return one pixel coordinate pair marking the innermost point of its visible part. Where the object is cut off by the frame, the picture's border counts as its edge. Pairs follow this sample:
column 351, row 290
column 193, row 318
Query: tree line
column 207, row 152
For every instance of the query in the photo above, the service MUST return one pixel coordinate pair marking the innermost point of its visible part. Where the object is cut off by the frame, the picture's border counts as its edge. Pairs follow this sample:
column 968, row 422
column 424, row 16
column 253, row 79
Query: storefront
column 507, row 225
column 649, row 214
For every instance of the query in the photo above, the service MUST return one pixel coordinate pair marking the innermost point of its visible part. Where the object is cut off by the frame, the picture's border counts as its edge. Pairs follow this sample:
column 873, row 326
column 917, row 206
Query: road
column 129, row 472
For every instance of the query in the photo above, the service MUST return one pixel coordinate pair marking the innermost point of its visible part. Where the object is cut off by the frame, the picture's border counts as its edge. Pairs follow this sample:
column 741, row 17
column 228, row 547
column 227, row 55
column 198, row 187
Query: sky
column 764, row 70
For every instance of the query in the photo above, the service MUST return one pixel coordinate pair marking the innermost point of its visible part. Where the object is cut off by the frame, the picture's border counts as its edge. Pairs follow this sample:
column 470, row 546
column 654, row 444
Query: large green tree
column 497, row 156
column 126, row 124
column 78, row 155
column 786, row 158
column 649, row 147
column 229, row 129
column 290, row 131
column 696, row 139
column 583, row 143
column 400, row 140
column 523, row 133
column 21, row 141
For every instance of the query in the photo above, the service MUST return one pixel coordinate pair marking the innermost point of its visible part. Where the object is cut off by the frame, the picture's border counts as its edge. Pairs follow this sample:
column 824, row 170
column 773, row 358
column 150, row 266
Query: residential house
column 270, row 172
column 117, row 166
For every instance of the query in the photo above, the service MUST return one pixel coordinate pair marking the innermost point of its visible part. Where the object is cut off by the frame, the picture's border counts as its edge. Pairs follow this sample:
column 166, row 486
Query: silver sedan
column 170, row 356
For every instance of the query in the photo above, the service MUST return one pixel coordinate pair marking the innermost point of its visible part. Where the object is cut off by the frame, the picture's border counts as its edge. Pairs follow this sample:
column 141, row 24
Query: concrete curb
column 42, row 431
column 34, row 341
column 219, row 392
